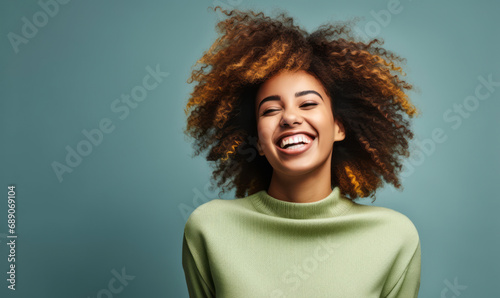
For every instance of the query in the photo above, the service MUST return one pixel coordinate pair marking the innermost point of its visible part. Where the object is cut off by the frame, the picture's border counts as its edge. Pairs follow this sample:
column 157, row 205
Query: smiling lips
column 295, row 144
column 295, row 140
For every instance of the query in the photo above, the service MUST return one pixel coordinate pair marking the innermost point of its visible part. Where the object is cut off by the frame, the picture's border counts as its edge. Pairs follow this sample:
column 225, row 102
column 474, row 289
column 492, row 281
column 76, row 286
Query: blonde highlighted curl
column 362, row 79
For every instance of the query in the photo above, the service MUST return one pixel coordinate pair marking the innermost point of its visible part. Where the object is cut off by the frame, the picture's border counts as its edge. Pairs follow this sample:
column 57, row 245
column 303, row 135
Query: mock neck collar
column 332, row 205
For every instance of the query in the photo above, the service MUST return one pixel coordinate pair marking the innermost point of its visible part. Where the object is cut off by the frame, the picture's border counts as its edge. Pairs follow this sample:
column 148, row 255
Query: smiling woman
column 296, row 131
column 330, row 120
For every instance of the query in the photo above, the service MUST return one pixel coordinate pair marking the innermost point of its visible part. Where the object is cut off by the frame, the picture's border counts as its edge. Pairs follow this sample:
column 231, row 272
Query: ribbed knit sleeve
column 409, row 283
column 194, row 257
column 197, row 286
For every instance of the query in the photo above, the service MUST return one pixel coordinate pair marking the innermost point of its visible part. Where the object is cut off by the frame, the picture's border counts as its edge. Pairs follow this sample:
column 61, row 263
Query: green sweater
column 260, row 246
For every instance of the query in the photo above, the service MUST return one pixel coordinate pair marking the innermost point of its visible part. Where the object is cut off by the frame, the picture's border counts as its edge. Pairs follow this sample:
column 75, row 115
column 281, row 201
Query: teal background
column 126, row 203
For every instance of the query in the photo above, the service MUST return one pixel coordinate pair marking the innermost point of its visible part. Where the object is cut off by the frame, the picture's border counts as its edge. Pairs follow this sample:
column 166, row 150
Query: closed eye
column 309, row 104
column 268, row 111
column 305, row 105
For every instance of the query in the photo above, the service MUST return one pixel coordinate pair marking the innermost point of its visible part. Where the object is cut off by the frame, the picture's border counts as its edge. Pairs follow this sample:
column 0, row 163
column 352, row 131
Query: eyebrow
column 298, row 94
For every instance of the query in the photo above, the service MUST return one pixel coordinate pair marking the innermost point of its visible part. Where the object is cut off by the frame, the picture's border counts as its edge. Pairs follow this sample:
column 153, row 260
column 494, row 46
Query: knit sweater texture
column 260, row 246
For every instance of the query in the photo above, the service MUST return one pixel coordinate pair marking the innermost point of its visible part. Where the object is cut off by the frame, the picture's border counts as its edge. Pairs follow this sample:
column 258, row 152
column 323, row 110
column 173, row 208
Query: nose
column 290, row 118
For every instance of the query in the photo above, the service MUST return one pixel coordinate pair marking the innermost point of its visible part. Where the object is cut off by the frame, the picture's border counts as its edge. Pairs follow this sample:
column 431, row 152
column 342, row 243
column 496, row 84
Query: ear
column 339, row 131
column 259, row 148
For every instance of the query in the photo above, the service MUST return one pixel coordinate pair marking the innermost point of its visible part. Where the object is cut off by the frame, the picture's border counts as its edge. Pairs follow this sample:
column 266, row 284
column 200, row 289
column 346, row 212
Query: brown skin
column 364, row 81
column 305, row 177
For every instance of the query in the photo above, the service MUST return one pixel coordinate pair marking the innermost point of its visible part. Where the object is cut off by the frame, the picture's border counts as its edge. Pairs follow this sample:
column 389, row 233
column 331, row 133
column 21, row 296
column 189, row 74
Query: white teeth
column 294, row 140
column 295, row 146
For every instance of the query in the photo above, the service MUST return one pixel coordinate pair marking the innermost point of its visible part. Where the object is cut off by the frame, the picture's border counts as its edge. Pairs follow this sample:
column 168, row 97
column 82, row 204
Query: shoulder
column 389, row 221
column 215, row 213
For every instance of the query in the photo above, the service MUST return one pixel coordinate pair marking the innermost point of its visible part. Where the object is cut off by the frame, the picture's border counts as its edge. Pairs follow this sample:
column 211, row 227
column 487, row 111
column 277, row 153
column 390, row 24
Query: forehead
column 288, row 83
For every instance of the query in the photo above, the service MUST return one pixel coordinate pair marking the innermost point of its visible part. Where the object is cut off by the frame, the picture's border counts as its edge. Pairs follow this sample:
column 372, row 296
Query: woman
column 300, row 125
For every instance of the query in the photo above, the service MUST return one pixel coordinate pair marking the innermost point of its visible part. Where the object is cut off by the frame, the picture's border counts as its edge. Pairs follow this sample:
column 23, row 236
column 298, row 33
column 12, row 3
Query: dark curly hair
column 362, row 79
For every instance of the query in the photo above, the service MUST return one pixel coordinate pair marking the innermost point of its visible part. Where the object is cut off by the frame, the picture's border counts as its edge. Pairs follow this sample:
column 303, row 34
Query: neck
column 304, row 188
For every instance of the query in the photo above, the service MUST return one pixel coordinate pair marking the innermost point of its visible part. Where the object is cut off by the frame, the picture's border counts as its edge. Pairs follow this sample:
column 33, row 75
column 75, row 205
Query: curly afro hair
column 362, row 79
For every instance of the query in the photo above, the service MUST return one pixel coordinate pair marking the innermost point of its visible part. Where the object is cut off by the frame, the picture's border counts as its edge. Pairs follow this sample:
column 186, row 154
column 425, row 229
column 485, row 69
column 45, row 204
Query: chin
column 296, row 168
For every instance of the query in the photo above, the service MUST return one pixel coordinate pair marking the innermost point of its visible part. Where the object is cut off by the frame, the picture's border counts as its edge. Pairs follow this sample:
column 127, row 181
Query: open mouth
column 295, row 144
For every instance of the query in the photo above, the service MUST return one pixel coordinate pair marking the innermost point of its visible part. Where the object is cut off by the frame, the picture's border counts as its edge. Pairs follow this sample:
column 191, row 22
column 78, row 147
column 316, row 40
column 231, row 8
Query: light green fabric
column 260, row 246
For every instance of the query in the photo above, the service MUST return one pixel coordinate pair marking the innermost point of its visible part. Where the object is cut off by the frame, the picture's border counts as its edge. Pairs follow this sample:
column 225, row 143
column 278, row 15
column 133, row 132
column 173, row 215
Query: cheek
column 325, row 124
column 265, row 131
